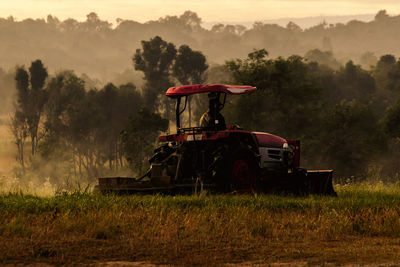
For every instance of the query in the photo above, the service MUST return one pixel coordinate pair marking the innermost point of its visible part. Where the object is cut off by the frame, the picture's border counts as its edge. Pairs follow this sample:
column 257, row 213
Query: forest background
column 85, row 99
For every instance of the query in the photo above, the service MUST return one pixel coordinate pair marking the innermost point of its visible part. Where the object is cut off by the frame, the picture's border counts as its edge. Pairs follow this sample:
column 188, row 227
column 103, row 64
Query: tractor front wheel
column 244, row 173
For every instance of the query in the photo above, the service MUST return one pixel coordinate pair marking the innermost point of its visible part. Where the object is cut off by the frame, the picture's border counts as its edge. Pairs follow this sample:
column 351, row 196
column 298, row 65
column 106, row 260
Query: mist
column 99, row 49
column 97, row 57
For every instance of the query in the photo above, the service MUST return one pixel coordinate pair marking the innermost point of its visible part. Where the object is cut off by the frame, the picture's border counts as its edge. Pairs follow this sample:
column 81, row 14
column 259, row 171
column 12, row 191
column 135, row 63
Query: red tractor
column 222, row 159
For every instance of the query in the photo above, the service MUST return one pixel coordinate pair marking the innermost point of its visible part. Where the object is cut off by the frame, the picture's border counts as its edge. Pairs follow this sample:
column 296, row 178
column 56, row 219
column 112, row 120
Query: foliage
column 352, row 82
column 334, row 113
column 287, row 97
column 68, row 43
column 189, row 66
column 19, row 131
column 155, row 60
column 384, row 67
column 392, row 120
column 80, row 129
column 88, row 124
column 139, row 136
column 323, row 58
column 351, row 137
column 31, row 98
column 339, row 113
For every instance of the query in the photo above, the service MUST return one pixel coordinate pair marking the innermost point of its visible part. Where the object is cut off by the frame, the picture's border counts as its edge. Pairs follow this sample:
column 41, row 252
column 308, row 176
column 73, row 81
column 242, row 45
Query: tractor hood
column 269, row 140
column 213, row 88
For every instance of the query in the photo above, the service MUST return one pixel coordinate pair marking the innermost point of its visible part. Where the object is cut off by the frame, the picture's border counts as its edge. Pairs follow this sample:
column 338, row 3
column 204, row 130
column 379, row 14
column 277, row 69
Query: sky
column 208, row 10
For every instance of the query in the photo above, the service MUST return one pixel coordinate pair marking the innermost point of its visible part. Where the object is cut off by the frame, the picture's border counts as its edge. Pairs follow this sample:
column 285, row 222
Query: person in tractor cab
column 212, row 118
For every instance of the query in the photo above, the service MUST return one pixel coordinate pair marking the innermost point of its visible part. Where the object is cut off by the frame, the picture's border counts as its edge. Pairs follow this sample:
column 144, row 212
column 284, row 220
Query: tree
column 291, row 99
column 386, row 78
column 381, row 15
column 392, row 128
column 19, row 130
column 117, row 105
column 368, row 60
column 58, row 153
column 287, row 99
column 352, row 82
column 351, row 138
column 31, row 98
column 293, row 27
column 393, row 76
column 93, row 23
column 155, row 60
column 322, row 57
column 139, row 136
column 65, row 92
column 189, row 68
column 191, row 18
column 392, row 120
column 84, row 127
column 38, row 98
column 240, row 29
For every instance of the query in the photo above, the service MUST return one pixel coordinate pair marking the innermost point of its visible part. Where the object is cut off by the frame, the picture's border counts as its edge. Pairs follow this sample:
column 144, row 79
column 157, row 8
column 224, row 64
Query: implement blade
column 319, row 182
column 132, row 185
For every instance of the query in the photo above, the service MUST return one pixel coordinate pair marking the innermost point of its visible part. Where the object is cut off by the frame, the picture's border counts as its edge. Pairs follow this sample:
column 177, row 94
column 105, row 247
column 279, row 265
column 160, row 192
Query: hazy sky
column 208, row 10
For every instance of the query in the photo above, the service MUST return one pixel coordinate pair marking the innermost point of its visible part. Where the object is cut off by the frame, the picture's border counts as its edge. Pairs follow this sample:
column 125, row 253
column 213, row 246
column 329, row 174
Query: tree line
column 98, row 131
column 69, row 43
column 346, row 116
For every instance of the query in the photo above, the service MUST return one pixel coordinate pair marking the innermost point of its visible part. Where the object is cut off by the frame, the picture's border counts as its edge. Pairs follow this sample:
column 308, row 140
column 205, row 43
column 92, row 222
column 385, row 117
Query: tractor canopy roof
column 186, row 90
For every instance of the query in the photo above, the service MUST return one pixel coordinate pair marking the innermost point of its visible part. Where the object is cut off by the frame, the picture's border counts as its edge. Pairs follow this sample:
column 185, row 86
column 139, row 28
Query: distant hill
column 304, row 23
column 101, row 50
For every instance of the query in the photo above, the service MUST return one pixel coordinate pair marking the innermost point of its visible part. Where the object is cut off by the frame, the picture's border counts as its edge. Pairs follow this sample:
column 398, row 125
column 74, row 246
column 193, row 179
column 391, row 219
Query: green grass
column 361, row 225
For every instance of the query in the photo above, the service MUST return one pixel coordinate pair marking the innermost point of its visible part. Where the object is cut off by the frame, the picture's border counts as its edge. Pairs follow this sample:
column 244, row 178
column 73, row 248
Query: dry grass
column 361, row 226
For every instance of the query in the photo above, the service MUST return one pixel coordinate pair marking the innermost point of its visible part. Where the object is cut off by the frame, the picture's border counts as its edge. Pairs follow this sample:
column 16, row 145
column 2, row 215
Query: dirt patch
column 125, row 264
column 242, row 264
column 259, row 264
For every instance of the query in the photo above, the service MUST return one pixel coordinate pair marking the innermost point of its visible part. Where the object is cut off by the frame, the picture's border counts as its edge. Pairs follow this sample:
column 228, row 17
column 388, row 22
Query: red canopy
column 217, row 88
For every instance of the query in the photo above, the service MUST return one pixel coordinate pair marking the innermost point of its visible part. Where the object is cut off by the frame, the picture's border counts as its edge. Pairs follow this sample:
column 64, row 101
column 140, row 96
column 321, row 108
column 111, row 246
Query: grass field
column 361, row 225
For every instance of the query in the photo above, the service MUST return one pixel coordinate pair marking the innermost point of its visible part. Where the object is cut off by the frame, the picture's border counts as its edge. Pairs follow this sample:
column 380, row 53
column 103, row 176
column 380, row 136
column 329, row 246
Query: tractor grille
column 271, row 156
column 274, row 154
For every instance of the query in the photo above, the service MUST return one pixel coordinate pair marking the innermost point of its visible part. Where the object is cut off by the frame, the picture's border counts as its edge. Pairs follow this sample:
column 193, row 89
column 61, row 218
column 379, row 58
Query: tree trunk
column 33, row 143
column 80, row 163
column 20, row 145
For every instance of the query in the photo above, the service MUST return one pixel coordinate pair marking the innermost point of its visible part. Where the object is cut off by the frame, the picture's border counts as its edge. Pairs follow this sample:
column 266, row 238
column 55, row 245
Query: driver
column 212, row 118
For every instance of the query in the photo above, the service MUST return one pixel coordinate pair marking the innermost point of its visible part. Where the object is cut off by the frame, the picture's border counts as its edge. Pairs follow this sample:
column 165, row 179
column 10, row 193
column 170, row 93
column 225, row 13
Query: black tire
column 244, row 172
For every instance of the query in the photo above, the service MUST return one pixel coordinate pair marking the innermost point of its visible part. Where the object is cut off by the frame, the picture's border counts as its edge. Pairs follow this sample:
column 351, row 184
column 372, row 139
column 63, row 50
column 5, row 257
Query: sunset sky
column 208, row 10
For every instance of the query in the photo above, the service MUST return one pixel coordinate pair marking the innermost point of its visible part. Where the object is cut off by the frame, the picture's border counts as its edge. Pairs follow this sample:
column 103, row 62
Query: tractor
column 221, row 159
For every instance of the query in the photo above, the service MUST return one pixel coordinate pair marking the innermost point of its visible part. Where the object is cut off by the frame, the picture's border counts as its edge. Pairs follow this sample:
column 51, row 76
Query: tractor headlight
column 285, row 146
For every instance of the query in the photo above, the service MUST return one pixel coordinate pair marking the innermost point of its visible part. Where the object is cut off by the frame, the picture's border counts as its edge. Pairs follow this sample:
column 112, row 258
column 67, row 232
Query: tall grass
column 206, row 230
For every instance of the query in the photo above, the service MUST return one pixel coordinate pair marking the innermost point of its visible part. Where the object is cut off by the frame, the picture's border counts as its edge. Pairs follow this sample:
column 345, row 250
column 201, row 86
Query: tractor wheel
column 245, row 172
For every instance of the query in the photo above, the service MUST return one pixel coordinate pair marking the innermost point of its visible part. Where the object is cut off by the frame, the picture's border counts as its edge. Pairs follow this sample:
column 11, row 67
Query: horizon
column 236, row 11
